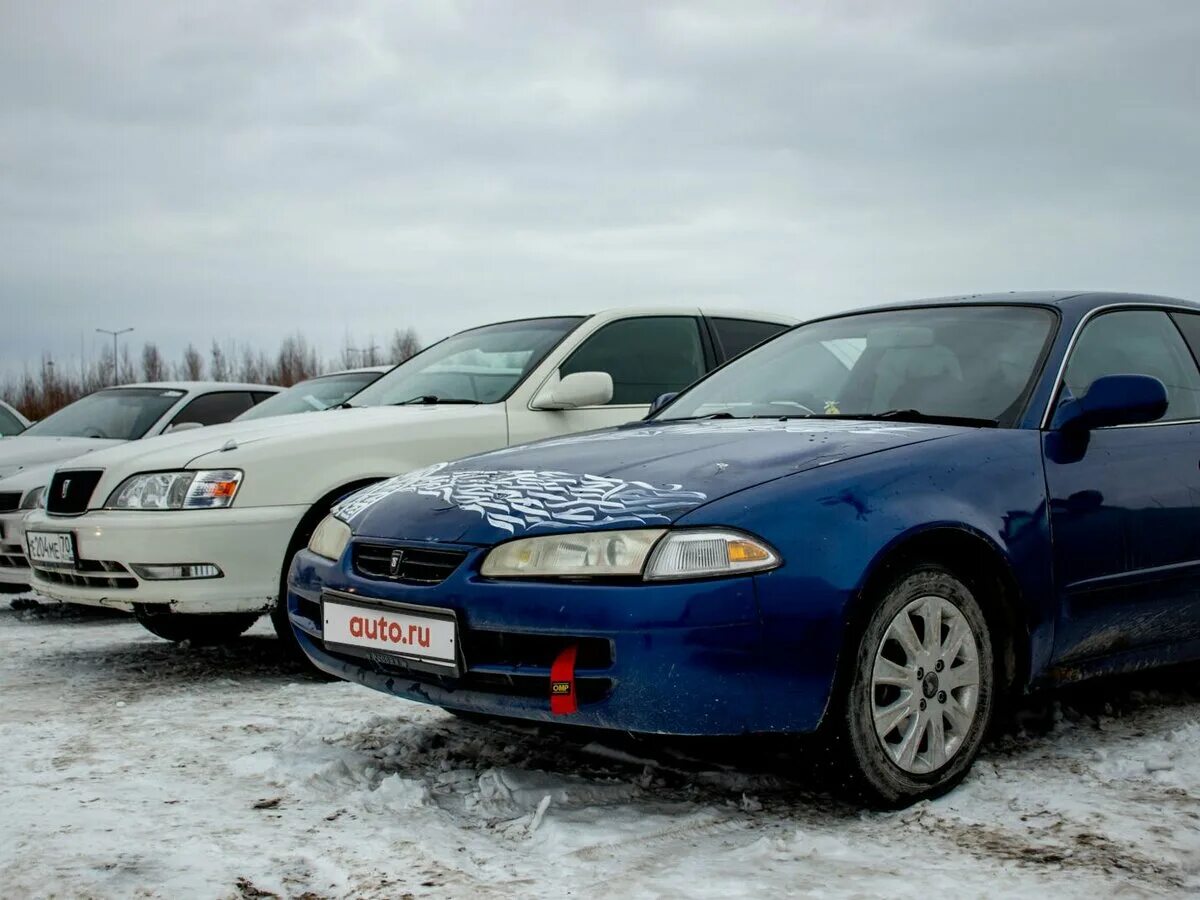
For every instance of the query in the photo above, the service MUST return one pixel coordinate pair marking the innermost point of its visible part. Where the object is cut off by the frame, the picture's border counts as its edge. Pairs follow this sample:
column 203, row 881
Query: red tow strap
column 563, row 700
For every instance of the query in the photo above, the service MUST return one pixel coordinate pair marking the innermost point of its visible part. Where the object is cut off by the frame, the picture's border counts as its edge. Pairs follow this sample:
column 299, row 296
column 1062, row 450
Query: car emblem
column 66, row 486
column 394, row 565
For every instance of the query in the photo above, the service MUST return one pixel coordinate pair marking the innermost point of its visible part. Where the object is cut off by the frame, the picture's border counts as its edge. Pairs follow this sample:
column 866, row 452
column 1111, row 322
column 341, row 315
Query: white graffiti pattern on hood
column 525, row 500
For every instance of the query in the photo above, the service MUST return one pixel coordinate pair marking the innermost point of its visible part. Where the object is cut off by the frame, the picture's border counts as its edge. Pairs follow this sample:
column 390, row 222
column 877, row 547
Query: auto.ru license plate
column 389, row 632
column 51, row 548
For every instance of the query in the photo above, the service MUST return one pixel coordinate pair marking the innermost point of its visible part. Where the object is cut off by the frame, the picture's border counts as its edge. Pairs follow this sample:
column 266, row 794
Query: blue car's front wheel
column 919, row 699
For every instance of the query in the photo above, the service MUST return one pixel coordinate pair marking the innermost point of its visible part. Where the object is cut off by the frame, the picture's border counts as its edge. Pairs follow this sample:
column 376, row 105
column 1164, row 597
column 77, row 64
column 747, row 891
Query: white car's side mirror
column 576, row 390
column 182, row 426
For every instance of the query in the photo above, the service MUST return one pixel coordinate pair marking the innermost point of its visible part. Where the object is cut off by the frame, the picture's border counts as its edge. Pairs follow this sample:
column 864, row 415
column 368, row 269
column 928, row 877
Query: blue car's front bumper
column 678, row 658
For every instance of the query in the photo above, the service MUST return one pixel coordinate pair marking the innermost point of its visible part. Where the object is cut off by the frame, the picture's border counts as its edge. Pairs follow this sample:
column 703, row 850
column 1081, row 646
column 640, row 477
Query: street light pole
column 114, row 334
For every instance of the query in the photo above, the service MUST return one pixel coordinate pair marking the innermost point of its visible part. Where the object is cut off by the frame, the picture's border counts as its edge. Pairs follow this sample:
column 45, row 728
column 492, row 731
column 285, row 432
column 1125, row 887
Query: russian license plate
column 382, row 632
column 51, row 548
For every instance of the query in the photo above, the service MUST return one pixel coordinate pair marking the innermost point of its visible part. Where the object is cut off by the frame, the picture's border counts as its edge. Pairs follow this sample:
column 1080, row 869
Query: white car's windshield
column 970, row 363
column 314, row 394
column 121, row 414
column 482, row 365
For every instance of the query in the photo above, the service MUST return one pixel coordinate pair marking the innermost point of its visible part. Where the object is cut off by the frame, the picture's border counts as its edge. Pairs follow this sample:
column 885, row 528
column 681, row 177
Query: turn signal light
column 746, row 552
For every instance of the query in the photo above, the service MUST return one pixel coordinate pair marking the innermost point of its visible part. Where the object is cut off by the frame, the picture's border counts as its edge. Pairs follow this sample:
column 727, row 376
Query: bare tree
column 128, row 371
column 296, row 361
column 47, row 388
column 219, row 366
column 106, row 367
column 192, row 367
column 405, row 344
column 154, row 368
column 253, row 366
column 359, row 353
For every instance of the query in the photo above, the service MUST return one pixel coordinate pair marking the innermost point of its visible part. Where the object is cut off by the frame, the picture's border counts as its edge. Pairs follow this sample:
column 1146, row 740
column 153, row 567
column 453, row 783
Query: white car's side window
column 646, row 357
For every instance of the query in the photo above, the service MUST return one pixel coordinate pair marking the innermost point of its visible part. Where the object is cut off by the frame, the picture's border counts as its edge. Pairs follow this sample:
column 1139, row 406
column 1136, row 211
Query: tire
column 283, row 627
column 279, row 613
column 199, row 630
column 940, row 718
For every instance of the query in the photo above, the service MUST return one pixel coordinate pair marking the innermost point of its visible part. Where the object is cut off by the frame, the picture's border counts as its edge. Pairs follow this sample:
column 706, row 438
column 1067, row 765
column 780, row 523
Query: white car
column 11, row 421
column 126, row 413
column 103, row 419
column 193, row 533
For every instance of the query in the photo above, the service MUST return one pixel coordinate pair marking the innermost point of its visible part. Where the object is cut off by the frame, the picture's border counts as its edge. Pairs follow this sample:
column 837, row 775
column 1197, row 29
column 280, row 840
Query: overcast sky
column 242, row 170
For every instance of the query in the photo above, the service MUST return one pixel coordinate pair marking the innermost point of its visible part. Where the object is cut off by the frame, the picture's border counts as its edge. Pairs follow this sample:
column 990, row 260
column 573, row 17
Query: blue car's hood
column 643, row 474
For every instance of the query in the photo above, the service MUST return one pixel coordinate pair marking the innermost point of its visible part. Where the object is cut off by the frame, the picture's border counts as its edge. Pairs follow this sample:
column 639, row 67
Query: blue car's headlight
column 707, row 553
column 651, row 553
column 330, row 538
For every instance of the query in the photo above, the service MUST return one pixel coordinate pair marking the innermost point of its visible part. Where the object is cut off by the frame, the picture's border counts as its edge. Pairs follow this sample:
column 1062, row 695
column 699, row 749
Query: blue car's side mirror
column 1114, row 400
column 660, row 401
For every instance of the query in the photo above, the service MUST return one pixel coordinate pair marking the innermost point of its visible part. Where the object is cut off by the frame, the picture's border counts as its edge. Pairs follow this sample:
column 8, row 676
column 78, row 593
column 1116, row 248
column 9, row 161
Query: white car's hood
column 22, row 451
column 29, row 477
column 245, row 445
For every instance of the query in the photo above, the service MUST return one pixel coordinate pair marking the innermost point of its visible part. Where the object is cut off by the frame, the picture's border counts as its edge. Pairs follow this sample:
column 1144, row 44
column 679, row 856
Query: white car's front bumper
column 247, row 545
column 14, row 568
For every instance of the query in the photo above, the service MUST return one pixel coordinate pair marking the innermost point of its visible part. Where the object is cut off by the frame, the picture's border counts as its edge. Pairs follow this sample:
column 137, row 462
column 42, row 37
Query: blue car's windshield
column 970, row 363
column 482, row 365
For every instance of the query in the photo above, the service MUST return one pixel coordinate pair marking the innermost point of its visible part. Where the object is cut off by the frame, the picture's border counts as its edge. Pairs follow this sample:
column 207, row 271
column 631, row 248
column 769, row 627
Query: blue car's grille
column 412, row 565
column 520, row 650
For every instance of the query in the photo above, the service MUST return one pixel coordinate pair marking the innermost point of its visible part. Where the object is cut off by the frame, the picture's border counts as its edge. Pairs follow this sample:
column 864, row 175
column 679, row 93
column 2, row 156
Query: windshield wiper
column 896, row 415
column 915, row 415
column 433, row 400
column 716, row 415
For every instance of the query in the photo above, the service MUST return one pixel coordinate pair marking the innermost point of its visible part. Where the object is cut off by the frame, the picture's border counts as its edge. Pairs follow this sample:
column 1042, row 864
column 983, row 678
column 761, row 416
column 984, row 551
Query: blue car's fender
column 838, row 526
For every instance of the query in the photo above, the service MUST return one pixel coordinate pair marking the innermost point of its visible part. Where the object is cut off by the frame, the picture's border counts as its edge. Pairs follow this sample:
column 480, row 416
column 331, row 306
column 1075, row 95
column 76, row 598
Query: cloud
column 238, row 171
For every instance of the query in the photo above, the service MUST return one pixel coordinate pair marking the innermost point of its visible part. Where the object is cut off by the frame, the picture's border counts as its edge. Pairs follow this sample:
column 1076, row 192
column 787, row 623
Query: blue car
column 876, row 526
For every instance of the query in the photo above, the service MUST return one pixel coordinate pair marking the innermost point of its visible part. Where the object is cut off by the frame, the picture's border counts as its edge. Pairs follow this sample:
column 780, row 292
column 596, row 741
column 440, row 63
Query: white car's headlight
column 651, row 553
column 33, row 498
column 330, row 538
column 206, row 489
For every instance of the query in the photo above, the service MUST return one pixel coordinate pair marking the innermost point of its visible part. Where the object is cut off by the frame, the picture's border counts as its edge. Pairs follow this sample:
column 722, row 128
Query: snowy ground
column 130, row 767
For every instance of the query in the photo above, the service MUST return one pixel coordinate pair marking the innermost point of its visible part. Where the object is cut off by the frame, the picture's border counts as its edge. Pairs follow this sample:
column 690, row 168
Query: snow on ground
column 131, row 767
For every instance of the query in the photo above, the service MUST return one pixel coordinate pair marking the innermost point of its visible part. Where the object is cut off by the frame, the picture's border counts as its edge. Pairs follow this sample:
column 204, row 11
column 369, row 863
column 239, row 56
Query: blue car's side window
column 1136, row 342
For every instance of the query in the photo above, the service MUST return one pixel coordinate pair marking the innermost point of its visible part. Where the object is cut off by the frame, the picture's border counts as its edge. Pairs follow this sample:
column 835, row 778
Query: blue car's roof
column 1078, row 300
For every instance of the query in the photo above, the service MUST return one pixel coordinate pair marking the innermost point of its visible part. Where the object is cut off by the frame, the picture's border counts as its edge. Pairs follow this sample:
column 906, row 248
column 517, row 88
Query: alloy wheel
column 925, row 685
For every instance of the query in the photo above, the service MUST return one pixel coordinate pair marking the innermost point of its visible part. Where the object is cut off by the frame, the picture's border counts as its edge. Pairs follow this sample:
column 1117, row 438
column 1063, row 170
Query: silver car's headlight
column 205, row 489
column 330, row 538
column 33, row 498
column 653, row 554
